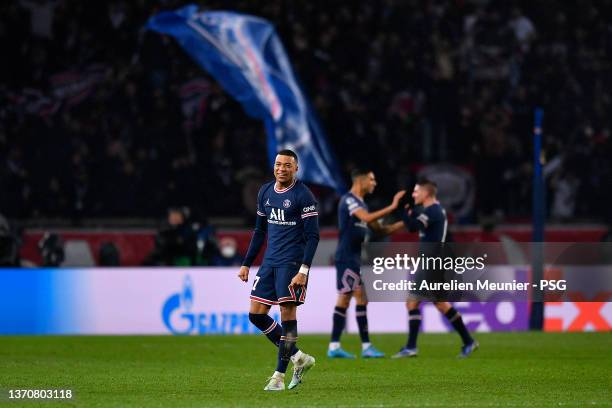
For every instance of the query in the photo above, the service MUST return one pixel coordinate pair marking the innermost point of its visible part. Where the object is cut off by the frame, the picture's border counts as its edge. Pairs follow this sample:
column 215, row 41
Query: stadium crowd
column 100, row 118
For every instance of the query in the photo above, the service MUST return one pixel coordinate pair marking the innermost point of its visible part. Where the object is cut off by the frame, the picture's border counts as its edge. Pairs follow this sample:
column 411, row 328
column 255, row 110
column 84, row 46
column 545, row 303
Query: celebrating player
column 432, row 224
column 287, row 210
column 353, row 222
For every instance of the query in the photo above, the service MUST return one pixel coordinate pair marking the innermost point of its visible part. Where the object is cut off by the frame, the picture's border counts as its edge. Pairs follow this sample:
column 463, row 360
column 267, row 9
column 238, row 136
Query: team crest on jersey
column 286, row 203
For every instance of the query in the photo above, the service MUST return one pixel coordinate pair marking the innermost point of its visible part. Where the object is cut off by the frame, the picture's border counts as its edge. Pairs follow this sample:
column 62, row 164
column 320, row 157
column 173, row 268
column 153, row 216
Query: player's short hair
column 360, row 172
column 429, row 185
column 287, row 152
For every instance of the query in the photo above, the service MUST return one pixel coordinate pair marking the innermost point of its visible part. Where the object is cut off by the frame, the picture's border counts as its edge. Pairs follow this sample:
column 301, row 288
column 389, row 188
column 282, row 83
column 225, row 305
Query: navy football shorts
column 271, row 285
column 348, row 277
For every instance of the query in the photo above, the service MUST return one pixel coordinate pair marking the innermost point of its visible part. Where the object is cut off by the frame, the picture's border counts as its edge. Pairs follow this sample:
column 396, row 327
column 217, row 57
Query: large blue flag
column 246, row 56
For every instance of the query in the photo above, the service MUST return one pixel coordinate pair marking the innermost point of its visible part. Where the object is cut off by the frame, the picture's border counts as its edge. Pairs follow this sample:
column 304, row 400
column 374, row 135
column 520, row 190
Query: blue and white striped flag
column 247, row 58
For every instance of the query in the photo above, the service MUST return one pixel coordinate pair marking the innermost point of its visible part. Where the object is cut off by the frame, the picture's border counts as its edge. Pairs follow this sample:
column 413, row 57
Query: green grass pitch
column 510, row 369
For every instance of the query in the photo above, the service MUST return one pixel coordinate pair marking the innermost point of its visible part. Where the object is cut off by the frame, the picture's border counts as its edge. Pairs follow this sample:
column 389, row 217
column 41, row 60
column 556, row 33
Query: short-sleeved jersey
column 285, row 211
column 434, row 223
column 352, row 231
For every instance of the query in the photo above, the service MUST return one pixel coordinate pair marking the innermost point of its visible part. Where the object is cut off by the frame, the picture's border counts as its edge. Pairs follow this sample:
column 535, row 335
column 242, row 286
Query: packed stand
column 100, row 118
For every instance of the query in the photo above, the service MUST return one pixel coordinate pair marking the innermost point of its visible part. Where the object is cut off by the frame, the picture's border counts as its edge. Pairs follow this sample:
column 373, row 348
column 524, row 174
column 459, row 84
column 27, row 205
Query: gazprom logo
column 187, row 297
column 179, row 318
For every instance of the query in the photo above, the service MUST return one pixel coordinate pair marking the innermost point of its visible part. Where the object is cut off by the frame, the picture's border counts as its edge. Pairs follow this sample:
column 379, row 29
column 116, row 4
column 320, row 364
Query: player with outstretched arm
column 287, row 211
column 354, row 218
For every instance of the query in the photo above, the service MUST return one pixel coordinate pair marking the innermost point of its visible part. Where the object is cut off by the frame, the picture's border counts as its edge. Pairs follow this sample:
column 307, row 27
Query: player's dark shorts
column 348, row 277
column 271, row 285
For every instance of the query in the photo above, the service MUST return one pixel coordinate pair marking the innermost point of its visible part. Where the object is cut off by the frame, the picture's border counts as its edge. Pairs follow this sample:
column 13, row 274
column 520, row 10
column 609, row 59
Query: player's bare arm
column 388, row 229
column 369, row 217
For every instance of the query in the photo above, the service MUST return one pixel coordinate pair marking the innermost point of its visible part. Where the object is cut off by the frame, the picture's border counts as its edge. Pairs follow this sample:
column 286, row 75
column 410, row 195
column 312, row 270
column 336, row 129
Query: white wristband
column 304, row 270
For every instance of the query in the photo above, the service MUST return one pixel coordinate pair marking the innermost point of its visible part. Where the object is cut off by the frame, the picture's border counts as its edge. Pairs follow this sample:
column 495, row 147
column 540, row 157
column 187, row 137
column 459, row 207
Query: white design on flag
column 243, row 56
column 246, row 56
column 226, row 51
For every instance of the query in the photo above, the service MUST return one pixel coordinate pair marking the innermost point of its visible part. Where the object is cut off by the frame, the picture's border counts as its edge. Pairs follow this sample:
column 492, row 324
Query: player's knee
column 412, row 305
column 343, row 301
column 288, row 311
column 360, row 297
column 361, row 300
column 256, row 318
column 258, row 308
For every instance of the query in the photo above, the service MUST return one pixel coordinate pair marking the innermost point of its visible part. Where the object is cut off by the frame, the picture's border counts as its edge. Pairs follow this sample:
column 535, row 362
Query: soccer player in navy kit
column 287, row 211
column 431, row 223
column 353, row 222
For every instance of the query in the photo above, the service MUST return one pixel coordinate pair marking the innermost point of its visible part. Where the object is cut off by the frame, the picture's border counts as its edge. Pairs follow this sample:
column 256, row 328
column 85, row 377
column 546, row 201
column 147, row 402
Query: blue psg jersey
column 352, row 231
column 431, row 222
column 286, row 211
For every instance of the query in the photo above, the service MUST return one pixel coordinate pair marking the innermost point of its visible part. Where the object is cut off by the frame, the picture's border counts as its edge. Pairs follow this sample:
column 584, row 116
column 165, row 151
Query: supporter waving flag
column 247, row 58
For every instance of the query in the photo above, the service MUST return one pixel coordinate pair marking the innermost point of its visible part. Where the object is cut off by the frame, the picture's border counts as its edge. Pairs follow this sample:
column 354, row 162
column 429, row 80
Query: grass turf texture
column 510, row 369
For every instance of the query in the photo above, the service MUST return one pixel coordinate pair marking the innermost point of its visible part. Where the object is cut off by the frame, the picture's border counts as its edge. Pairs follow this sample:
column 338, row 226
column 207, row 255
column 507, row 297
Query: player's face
column 369, row 183
column 285, row 168
column 175, row 218
column 419, row 194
